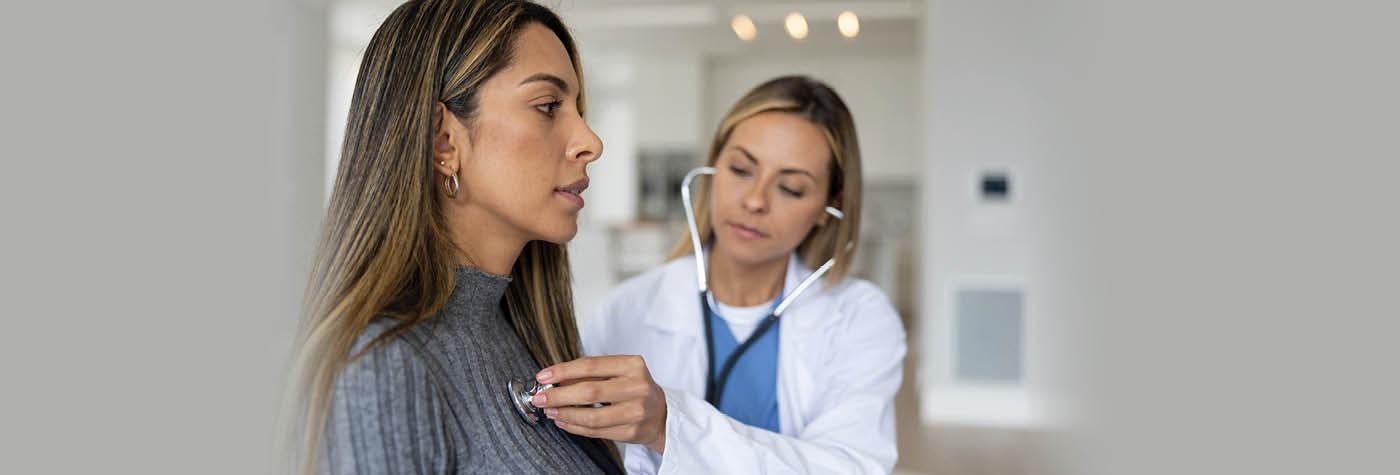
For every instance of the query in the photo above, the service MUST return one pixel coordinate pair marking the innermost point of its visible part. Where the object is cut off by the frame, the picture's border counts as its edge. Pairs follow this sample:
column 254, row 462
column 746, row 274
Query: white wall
column 669, row 96
column 1208, row 198
column 983, row 114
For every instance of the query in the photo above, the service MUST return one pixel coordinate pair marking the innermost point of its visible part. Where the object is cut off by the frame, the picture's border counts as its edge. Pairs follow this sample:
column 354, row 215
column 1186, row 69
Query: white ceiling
column 690, row 27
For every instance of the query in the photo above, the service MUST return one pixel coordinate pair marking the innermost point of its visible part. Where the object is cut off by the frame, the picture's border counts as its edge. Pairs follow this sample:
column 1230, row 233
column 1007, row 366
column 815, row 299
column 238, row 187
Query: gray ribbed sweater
column 434, row 400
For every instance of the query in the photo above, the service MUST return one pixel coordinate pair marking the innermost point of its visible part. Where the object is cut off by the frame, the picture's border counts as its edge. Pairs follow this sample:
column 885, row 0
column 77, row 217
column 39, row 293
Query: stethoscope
column 714, row 386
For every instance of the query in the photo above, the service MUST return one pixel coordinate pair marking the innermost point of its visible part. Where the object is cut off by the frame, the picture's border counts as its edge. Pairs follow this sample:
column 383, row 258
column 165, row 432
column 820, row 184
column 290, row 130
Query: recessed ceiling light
column 796, row 25
column 848, row 24
column 743, row 27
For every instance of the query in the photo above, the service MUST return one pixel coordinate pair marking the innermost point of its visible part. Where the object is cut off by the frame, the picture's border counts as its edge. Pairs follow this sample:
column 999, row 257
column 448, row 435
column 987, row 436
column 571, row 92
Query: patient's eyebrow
column 549, row 78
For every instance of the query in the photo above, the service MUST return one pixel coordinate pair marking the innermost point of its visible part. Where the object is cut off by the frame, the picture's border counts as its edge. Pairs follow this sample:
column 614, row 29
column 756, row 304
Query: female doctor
column 814, row 390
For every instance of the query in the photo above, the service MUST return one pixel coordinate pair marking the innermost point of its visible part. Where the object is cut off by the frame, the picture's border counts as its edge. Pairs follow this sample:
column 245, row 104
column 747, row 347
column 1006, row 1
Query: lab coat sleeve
column 593, row 332
column 618, row 313
column 853, row 431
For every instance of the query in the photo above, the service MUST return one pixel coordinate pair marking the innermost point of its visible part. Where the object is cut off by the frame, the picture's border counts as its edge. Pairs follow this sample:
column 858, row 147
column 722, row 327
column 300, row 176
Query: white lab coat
column 841, row 352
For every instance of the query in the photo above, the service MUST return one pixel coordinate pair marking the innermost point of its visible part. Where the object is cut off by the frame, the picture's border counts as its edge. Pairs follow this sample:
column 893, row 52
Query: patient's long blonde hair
column 387, row 250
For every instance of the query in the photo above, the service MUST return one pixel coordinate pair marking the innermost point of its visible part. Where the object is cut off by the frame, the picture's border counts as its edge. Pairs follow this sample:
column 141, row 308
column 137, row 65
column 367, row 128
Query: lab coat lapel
column 675, row 313
column 795, row 341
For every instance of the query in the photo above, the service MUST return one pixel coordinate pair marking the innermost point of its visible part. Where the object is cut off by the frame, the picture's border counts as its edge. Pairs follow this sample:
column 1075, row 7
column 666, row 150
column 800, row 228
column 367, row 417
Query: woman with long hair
column 442, row 273
column 757, row 376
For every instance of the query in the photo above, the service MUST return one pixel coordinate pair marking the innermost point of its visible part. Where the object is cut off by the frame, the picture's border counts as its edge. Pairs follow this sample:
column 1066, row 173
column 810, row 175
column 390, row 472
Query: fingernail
column 538, row 400
column 544, row 376
column 551, row 413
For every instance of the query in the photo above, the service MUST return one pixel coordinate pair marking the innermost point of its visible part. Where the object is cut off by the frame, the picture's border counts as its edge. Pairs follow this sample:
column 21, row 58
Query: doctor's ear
column 826, row 217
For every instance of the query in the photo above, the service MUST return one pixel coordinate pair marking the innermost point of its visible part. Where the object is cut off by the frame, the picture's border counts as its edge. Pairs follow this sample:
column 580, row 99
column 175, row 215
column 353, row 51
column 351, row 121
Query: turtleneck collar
column 476, row 290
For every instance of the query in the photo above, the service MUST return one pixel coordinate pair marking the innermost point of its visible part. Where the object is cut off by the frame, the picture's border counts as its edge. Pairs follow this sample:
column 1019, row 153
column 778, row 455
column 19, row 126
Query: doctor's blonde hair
column 816, row 102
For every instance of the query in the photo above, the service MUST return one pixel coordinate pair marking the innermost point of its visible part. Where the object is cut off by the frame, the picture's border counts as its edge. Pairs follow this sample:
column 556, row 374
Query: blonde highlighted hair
column 819, row 104
column 386, row 248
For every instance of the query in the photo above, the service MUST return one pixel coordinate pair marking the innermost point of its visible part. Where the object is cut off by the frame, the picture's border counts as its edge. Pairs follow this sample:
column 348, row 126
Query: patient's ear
column 450, row 141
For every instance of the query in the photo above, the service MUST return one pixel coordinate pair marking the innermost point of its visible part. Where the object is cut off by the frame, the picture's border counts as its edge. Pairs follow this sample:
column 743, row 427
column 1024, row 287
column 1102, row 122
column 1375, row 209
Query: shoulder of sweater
column 395, row 356
column 386, row 411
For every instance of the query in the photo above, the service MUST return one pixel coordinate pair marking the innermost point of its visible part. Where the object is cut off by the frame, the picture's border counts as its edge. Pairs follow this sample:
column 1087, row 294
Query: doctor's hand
column 633, row 408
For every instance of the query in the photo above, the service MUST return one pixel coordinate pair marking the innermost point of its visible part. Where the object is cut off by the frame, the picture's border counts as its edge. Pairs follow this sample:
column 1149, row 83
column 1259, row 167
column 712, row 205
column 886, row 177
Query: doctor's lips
column 572, row 192
column 745, row 231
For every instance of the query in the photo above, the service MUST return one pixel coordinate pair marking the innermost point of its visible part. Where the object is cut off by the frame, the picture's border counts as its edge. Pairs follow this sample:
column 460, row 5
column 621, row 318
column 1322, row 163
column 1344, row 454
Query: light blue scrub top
column 751, row 394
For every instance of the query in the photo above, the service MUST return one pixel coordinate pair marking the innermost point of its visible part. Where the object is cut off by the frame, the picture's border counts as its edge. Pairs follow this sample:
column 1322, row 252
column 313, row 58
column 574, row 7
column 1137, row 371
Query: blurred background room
column 1128, row 237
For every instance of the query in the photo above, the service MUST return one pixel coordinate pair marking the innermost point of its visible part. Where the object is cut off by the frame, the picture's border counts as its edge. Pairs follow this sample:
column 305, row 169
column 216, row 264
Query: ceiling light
column 848, row 24
column 796, row 25
column 743, row 27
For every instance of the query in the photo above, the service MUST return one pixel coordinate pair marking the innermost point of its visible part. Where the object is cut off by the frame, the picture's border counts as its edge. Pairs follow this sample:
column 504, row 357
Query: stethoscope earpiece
column 831, row 210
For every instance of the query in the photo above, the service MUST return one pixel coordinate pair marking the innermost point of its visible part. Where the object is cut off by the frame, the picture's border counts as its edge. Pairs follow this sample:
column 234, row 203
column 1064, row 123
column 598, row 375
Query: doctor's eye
column 739, row 171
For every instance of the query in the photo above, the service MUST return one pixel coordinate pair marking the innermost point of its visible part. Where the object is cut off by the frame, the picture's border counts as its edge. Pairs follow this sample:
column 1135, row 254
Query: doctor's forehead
column 780, row 139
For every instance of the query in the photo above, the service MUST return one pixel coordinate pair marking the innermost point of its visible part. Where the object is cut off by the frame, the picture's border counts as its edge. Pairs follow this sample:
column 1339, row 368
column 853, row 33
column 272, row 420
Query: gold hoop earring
column 452, row 186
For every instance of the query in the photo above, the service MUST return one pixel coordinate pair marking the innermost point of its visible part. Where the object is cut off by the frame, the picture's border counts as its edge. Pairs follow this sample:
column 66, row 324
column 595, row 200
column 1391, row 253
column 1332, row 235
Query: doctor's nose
column 755, row 200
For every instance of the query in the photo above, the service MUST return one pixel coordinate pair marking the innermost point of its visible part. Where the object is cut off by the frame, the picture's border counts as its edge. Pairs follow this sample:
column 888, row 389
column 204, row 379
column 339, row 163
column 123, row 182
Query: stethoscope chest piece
column 521, row 394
